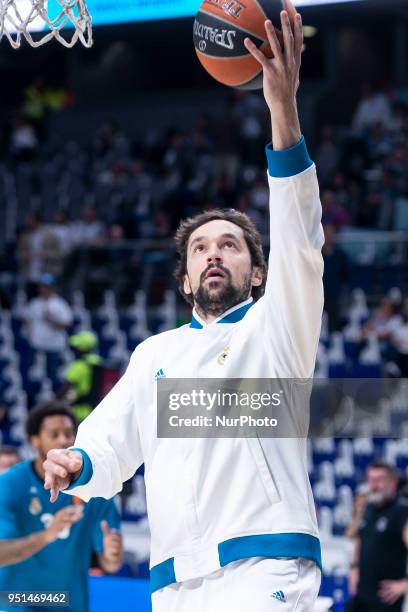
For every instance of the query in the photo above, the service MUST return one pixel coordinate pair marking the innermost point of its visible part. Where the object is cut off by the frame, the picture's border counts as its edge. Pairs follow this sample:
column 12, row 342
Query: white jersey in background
column 44, row 336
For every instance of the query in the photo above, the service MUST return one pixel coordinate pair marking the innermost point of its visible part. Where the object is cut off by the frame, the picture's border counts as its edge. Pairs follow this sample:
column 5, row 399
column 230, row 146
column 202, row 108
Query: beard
column 215, row 298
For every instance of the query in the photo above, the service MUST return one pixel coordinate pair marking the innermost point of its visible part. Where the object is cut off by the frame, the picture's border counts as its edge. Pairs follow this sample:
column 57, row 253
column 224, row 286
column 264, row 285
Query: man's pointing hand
column 61, row 468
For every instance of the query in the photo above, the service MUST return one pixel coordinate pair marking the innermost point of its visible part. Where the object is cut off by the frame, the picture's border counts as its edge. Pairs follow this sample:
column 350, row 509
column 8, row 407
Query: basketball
column 220, row 28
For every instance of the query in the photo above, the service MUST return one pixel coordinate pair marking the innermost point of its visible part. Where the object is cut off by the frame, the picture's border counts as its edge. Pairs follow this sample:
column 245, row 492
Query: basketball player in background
column 48, row 547
column 233, row 524
column 9, row 456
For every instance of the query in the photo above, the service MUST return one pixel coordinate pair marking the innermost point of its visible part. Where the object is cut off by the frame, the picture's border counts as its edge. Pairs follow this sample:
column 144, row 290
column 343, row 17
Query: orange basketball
column 220, row 29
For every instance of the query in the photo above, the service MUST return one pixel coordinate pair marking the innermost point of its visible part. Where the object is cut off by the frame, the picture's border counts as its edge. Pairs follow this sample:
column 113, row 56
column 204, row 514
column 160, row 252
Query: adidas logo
column 159, row 374
column 279, row 595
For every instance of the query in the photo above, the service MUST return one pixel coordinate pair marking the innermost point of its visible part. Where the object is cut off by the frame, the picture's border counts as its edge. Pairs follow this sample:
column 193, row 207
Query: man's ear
column 256, row 278
column 186, row 285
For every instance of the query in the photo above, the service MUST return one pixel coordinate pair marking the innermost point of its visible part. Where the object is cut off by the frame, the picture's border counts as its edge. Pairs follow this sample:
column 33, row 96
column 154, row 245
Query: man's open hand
column 61, row 468
column 64, row 518
column 281, row 72
column 281, row 76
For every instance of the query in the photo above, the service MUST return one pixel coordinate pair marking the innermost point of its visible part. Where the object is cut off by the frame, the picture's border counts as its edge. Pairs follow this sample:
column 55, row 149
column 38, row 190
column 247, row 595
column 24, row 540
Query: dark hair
column 37, row 415
column 9, row 450
column 381, row 464
column 251, row 235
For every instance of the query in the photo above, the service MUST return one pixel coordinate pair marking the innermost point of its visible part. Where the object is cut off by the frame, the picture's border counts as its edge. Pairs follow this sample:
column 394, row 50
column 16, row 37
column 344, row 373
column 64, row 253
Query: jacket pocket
column 264, row 472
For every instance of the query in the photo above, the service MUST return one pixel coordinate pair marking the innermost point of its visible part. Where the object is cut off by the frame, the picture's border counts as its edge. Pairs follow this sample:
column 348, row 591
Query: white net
column 21, row 19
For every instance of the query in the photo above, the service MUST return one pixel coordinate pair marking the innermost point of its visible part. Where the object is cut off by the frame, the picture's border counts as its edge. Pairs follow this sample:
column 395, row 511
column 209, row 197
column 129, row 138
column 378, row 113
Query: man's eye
column 199, row 248
column 229, row 244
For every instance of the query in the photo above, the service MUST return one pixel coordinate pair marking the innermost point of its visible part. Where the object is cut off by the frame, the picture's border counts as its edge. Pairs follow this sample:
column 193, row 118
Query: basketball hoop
column 22, row 18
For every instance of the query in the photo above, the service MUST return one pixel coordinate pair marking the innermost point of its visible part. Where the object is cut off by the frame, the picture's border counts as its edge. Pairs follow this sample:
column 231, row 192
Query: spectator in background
column 374, row 107
column 39, row 250
column 162, row 224
column 90, row 229
column 327, row 155
column 335, row 277
column 110, row 139
column 384, row 321
column 333, row 213
column 23, row 140
column 81, row 386
column 399, row 340
column 378, row 572
column 47, row 318
column 378, row 141
column 48, row 547
column 9, row 456
column 62, row 230
column 35, row 106
column 346, row 193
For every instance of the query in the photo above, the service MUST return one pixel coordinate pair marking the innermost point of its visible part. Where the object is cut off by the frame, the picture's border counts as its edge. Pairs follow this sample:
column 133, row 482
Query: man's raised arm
column 294, row 289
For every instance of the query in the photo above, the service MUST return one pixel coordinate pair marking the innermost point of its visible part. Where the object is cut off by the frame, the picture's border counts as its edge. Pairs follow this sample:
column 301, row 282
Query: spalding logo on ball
column 220, row 29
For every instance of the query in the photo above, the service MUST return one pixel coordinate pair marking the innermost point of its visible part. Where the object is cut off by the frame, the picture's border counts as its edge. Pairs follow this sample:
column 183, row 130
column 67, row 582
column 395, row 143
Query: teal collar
column 233, row 315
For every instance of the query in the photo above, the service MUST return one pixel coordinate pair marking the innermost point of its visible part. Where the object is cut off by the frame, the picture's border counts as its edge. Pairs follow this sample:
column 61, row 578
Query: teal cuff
column 270, row 546
column 86, row 472
column 288, row 162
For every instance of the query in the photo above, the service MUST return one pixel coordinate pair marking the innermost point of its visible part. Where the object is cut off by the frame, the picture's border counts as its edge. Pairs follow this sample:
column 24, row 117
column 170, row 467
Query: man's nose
column 214, row 255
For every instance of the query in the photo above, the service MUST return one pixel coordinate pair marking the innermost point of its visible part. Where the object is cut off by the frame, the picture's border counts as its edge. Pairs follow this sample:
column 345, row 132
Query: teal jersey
column 63, row 565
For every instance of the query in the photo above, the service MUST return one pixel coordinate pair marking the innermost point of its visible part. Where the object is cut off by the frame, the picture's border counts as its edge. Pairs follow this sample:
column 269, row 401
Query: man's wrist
column 284, row 107
column 286, row 130
column 48, row 536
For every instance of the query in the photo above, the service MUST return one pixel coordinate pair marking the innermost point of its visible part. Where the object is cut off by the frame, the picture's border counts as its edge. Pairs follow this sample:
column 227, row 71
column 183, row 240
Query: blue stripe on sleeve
column 86, row 472
column 288, row 162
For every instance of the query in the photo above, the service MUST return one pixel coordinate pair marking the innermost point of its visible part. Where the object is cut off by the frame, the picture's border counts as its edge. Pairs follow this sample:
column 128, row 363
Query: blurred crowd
column 117, row 189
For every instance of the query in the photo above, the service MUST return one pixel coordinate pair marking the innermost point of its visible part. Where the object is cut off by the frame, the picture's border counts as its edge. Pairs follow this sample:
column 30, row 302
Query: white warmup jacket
column 214, row 501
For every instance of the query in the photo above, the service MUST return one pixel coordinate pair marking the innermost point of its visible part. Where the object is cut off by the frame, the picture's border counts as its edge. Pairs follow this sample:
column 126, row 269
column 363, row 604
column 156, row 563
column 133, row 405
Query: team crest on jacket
column 35, row 506
column 221, row 358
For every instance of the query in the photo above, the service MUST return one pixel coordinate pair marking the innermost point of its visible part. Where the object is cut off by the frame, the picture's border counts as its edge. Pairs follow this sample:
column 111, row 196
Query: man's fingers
column 388, row 598
column 70, row 460
column 75, row 460
column 105, row 528
column 386, row 592
column 54, row 469
column 56, row 484
column 273, row 39
column 288, row 40
column 54, row 494
column 255, row 52
column 115, row 544
column 296, row 24
column 298, row 38
column 291, row 10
